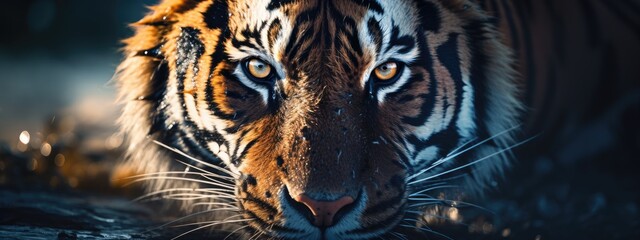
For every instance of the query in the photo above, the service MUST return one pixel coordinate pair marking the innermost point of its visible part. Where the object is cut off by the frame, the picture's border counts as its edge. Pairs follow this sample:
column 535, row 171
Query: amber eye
column 258, row 68
column 387, row 71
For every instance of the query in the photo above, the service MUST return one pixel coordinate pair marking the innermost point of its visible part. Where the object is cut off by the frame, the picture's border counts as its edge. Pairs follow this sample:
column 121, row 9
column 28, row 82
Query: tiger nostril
column 301, row 208
column 324, row 212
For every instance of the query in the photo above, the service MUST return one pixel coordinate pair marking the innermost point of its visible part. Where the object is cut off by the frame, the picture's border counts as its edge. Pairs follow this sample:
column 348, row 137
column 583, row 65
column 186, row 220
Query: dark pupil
column 384, row 68
column 260, row 66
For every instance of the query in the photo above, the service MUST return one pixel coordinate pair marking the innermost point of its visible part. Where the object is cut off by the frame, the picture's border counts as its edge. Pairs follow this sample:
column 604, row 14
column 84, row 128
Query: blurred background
column 57, row 58
column 58, row 141
column 58, row 145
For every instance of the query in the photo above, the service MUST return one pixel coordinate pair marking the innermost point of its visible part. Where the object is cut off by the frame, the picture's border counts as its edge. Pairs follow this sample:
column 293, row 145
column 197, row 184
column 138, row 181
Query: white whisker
column 180, row 178
column 425, row 203
column 182, row 219
column 216, row 192
column 193, row 196
column 448, row 202
column 206, row 226
column 474, row 162
column 449, row 157
column 226, row 220
column 399, row 235
column 461, row 147
column 234, row 231
column 177, row 173
column 426, row 229
column 214, row 204
column 432, row 188
column 196, row 160
column 205, row 171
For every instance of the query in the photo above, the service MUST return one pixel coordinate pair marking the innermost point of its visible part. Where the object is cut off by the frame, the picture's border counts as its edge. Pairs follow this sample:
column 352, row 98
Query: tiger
column 323, row 119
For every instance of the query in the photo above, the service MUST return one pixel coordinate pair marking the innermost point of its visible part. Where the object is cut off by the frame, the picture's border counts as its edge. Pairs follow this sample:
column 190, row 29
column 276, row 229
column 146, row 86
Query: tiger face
column 329, row 115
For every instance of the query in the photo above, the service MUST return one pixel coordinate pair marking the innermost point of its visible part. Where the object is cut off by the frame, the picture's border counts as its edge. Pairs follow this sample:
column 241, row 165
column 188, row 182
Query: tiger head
column 329, row 115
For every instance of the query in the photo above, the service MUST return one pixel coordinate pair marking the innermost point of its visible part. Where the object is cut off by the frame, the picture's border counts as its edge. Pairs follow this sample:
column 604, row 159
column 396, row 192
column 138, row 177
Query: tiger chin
column 308, row 119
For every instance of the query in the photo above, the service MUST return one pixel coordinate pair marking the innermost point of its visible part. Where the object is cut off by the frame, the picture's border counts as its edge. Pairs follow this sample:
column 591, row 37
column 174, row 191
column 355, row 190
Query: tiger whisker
column 182, row 219
column 425, row 203
column 475, row 162
column 177, row 173
column 226, row 220
column 178, row 198
column 216, row 191
column 214, row 204
column 426, row 229
column 205, row 171
column 422, row 214
column 455, row 150
column 179, row 178
column 399, row 235
column 436, row 181
column 235, row 175
column 448, row 202
column 449, row 157
column 256, row 235
column 432, row 188
column 192, row 196
column 205, row 226
column 174, row 172
column 234, row 231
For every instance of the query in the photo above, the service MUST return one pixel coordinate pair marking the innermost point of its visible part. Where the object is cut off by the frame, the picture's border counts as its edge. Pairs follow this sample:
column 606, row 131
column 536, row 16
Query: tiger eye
column 386, row 71
column 258, row 68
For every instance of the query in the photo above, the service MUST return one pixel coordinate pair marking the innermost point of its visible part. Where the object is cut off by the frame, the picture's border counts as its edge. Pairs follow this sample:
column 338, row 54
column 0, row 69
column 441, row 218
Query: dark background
column 57, row 58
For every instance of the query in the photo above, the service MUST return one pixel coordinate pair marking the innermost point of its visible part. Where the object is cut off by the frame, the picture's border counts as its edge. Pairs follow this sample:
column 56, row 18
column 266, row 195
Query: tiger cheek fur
column 319, row 148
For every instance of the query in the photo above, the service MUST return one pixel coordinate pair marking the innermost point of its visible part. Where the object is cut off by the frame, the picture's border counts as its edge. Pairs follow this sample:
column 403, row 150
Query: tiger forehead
column 264, row 21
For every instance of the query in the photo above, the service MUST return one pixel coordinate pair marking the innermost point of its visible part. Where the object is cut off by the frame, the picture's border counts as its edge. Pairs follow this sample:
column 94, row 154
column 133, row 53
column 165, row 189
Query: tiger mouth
column 297, row 220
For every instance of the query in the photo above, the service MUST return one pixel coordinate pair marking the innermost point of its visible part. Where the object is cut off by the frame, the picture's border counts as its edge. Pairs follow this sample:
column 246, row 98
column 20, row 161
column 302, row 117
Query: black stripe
column 405, row 41
column 428, row 102
column 158, row 88
column 273, row 32
column 375, row 32
column 292, row 46
column 528, row 51
column 449, row 56
column 155, row 52
column 475, row 33
column 217, row 15
column 274, row 4
column 262, row 205
column 384, row 224
column 430, row 18
column 263, row 224
column 385, row 205
column 370, row 4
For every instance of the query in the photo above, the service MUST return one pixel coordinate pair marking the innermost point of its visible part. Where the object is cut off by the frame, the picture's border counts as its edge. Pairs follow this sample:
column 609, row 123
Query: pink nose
column 323, row 211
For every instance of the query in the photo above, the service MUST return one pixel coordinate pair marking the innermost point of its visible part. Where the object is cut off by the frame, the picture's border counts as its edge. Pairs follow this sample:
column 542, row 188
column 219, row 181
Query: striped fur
column 323, row 127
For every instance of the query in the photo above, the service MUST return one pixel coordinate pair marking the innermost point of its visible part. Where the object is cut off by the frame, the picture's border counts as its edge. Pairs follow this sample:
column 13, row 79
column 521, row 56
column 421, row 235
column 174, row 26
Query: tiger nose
column 323, row 211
